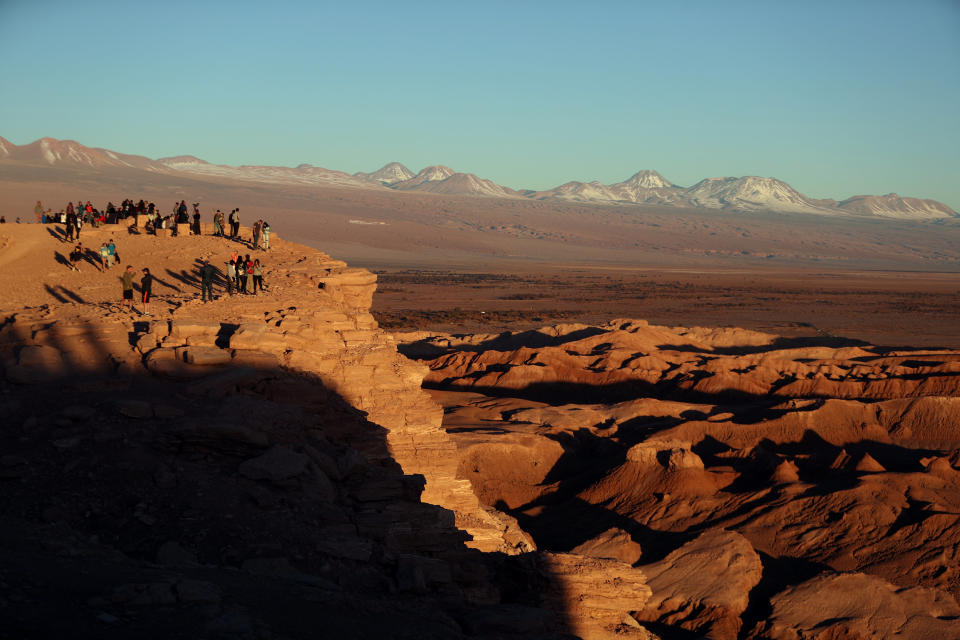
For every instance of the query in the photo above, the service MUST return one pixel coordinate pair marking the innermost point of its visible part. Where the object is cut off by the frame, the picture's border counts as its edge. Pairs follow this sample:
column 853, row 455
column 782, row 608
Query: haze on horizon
column 837, row 99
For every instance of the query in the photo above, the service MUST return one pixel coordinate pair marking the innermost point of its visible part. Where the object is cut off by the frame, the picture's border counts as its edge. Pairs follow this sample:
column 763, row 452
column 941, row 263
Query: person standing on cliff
column 72, row 229
column 146, row 285
column 257, row 276
column 104, row 256
column 39, row 211
column 255, row 240
column 231, row 276
column 127, row 279
column 218, row 223
column 207, row 275
column 265, row 233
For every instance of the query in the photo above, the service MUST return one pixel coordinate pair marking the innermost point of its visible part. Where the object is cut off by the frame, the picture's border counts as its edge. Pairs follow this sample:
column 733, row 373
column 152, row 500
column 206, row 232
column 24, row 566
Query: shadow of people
column 62, row 294
column 58, row 233
column 62, row 259
column 185, row 277
column 93, row 257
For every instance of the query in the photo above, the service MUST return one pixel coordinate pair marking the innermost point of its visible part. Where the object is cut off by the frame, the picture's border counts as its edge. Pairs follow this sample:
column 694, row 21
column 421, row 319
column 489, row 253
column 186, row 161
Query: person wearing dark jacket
column 72, row 229
column 208, row 274
column 146, row 284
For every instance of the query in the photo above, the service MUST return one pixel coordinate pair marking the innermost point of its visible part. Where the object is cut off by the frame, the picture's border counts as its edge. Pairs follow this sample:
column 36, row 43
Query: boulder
column 185, row 328
column 36, row 364
column 704, row 586
column 206, row 355
column 40, row 355
column 258, row 340
column 615, row 544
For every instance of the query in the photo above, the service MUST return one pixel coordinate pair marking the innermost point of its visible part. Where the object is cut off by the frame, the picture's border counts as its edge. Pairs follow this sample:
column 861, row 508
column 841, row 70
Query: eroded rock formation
column 753, row 474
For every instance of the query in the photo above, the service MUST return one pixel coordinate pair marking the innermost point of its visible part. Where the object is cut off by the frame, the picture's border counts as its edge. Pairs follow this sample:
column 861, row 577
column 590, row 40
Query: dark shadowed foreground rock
column 259, row 467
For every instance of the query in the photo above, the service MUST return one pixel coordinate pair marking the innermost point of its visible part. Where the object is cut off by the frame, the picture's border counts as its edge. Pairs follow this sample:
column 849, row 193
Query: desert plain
column 452, row 416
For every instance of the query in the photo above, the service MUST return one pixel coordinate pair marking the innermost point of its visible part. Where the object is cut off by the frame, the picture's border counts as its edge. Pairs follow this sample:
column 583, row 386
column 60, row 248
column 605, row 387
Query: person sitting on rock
column 76, row 256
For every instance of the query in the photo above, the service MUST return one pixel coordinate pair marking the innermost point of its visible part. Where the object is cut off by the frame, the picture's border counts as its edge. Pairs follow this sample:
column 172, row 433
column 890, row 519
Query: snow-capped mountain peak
column 749, row 193
column 435, row 172
column 388, row 174
column 648, row 179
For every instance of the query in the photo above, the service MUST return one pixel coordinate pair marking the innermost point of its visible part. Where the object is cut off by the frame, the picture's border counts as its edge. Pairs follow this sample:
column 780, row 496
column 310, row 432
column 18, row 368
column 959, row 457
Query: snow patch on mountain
column 648, row 179
column 432, row 173
column 579, row 192
column 749, row 193
column 387, row 175
column 464, row 184
column 894, row 206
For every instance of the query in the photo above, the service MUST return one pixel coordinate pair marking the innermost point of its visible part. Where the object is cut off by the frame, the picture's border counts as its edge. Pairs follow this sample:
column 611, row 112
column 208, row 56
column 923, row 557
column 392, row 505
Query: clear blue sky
column 836, row 98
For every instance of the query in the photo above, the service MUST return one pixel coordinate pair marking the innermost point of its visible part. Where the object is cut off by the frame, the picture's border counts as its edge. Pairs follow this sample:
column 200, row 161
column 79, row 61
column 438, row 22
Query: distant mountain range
column 748, row 193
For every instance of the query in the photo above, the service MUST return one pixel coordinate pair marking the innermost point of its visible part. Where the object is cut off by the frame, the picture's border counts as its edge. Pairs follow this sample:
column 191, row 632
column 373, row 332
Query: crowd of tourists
column 242, row 275
column 148, row 214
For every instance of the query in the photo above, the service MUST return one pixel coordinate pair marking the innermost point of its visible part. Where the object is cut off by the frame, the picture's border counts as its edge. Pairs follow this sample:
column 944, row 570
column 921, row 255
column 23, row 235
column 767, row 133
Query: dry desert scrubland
column 285, row 466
